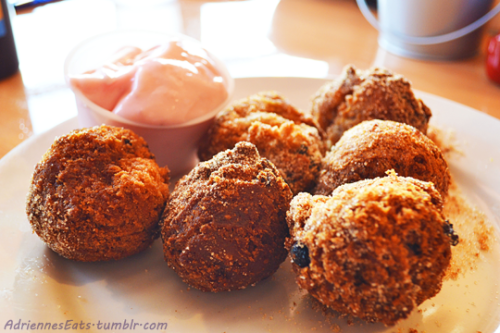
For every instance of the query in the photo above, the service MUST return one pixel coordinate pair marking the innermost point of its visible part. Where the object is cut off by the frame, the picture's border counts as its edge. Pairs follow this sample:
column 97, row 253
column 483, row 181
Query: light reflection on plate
column 38, row 286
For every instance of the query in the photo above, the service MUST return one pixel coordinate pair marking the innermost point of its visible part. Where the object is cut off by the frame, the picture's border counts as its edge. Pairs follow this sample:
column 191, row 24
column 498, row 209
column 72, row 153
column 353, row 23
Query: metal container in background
column 430, row 29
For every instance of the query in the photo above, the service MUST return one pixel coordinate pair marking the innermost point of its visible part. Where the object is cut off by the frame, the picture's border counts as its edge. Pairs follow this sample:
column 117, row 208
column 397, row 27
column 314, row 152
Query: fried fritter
column 281, row 133
column 97, row 194
column 363, row 95
column 374, row 249
column 225, row 226
column 371, row 148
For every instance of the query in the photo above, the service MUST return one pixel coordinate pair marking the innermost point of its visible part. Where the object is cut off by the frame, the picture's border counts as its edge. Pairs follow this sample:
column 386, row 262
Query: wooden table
column 255, row 38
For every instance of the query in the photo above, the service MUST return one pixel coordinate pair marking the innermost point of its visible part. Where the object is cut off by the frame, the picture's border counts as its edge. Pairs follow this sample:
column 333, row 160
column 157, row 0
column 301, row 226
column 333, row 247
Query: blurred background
column 306, row 38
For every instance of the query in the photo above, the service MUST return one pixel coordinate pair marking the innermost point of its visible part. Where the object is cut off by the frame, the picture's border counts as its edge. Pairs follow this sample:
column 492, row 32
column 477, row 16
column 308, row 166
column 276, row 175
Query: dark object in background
column 372, row 4
column 22, row 4
column 493, row 59
column 9, row 63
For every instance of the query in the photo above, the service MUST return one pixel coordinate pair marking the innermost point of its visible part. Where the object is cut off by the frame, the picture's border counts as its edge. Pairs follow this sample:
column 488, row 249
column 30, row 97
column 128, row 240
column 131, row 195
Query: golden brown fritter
column 371, row 148
column 281, row 133
column 374, row 249
column 225, row 227
column 97, row 194
column 363, row 95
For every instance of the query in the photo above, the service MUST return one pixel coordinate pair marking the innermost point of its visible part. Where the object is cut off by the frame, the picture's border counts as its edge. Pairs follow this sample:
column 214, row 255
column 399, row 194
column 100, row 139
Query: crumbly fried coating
column 374, row 249
column 363, row 95
column 97, row 194
column 371, row 148
column 281, row 133
column 224, row 227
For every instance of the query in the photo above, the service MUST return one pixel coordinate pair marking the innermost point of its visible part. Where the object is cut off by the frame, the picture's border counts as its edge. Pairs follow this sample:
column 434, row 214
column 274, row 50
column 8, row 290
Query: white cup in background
column 175, row 145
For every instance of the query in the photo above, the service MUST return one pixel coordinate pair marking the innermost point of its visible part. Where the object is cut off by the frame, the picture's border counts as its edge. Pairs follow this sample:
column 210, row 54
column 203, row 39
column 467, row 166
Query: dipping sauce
column 169, row 84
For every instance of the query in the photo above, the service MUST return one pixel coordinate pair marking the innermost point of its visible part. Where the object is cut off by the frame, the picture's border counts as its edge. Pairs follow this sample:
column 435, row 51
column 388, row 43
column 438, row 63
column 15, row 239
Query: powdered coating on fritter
column 377, row 247
column 281, row 133
column 97, row 194
column 224, row 227
column 363, row 95
column 371, row 148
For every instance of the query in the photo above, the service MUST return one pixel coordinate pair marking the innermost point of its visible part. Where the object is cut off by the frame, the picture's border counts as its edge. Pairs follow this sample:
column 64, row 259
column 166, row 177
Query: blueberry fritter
column 225, row 226
column 371, row 148
column 374, row 249
column 363, row 95
column 97, row 194
column 281, row 133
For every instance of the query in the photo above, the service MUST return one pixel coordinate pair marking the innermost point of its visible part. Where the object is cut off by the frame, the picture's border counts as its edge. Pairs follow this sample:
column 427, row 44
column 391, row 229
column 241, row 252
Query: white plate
column 38, row 286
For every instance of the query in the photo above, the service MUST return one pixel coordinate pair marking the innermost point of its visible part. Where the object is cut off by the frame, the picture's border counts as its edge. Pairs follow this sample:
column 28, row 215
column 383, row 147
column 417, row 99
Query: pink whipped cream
column 166, row 85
